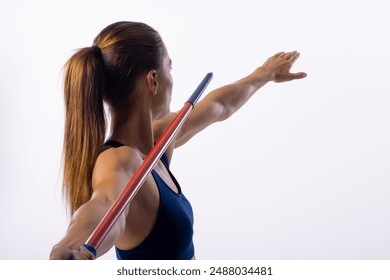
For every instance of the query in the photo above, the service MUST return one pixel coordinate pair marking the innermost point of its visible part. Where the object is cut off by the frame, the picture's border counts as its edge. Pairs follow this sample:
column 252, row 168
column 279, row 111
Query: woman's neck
column 134, row 128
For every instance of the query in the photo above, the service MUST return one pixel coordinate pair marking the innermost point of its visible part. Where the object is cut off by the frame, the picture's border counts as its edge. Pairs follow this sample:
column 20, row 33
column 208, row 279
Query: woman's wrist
column 264, row 74
column 260, row 77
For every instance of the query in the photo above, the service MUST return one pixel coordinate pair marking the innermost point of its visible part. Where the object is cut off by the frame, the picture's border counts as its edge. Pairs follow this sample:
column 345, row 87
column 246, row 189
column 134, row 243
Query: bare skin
column 141, row 128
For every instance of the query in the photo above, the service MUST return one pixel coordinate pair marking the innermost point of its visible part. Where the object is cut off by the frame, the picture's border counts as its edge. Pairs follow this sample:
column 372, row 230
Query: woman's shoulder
column 122, row 159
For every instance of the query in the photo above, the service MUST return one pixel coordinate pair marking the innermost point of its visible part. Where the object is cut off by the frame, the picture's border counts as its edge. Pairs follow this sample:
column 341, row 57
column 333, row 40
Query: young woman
column 128, row 69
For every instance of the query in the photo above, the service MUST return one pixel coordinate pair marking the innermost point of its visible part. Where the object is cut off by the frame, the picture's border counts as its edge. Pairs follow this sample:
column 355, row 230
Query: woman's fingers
column 87, row 253
column 298, row 75
column 285, row 77
column 294, row 56
column 60, row 253
column 82, row 254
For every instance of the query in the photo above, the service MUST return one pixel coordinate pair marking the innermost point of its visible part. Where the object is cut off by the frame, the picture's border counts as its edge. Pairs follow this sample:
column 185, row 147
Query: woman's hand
column 64, row 253
column 279, row 67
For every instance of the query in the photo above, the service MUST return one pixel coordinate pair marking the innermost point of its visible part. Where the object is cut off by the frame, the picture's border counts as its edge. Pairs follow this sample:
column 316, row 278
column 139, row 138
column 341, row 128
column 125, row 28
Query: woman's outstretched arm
column 221, row 103
column 112, row 171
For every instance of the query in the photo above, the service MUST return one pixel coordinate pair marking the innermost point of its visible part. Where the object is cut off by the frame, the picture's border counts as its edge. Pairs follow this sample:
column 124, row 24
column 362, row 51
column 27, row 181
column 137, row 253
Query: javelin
column 139, row 177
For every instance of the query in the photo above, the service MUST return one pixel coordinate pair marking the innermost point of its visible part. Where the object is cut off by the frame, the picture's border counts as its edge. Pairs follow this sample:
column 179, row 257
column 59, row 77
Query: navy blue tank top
column 171, row 235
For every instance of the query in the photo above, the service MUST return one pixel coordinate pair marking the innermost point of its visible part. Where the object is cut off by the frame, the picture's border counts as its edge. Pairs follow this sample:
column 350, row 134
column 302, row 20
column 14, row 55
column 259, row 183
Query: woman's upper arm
column 112, row 172
column 205, row 113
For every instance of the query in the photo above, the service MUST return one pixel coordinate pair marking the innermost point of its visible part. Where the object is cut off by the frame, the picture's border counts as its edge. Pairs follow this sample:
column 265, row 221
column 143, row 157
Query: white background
column 301, row 172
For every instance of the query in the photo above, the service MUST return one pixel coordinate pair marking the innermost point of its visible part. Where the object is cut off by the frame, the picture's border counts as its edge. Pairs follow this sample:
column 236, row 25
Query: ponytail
column 126, row 50
column 85, row 123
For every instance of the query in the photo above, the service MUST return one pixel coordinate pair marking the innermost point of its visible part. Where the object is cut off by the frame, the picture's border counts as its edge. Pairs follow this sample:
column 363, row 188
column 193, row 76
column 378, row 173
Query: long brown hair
column 106, row 72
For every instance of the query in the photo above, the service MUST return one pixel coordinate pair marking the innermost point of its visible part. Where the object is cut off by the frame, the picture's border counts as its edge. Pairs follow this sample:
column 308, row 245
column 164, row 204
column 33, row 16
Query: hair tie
column 98, row 51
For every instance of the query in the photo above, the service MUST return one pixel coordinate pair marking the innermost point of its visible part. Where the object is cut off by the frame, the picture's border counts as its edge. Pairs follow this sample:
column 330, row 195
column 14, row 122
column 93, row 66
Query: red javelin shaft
column 139, row 177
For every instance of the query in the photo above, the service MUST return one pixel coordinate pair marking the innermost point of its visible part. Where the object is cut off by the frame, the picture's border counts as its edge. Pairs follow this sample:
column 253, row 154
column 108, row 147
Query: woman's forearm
column 233, row 96
column 83, row 223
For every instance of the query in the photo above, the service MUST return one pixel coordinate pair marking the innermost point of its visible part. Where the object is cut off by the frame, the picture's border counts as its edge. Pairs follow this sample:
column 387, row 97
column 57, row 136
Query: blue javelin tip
column 200, row 89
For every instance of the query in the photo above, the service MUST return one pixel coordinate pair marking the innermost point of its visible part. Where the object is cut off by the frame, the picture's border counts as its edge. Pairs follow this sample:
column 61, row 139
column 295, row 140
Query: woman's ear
column 151, row 80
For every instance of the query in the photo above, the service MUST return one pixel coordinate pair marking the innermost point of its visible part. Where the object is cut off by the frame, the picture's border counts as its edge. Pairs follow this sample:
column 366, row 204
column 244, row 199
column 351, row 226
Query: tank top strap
column 164, row 159
column 112, row 143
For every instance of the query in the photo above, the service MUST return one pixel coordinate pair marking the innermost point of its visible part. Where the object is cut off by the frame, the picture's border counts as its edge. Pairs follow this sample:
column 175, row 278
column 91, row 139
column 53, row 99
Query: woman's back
column 159, row 224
